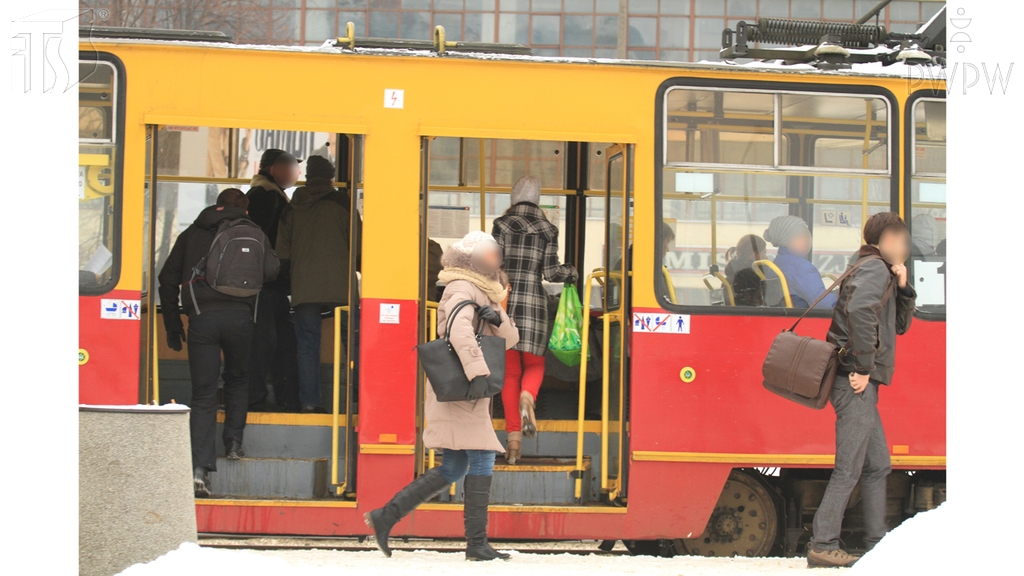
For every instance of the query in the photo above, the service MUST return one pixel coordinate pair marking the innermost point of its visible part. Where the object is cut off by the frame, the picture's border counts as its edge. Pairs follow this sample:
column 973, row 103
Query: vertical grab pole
column 605, row 373
column 583, row 386
column 483, row 188
column 337, row 391
column 152, row 296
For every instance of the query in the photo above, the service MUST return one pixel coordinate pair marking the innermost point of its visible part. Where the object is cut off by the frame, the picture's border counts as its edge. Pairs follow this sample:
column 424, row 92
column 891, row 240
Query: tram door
column 615, row 318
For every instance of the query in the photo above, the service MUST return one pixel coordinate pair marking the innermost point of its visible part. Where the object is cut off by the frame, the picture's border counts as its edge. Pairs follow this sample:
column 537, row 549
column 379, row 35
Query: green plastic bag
column 566, row 342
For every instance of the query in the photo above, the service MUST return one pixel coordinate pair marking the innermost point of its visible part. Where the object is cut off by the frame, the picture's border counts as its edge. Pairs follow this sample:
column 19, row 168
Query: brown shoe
column 513, row 446
column 830, row 558
column 526, row 413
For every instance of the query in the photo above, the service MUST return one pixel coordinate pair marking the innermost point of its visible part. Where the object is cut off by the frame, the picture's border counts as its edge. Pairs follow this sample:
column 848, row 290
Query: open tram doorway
column 466, row 185
column 288, row 453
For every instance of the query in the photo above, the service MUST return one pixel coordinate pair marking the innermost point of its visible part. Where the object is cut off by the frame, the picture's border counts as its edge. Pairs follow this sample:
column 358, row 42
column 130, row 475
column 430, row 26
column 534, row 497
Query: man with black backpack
column 218, row 265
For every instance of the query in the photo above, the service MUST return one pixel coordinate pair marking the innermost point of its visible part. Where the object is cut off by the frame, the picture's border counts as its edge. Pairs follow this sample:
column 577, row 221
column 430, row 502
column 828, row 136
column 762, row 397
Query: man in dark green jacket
column 313, row 245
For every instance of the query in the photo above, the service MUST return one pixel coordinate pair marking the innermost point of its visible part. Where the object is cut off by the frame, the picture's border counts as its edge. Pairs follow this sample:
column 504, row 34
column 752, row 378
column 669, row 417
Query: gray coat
column 865, row 327
column 465, row 424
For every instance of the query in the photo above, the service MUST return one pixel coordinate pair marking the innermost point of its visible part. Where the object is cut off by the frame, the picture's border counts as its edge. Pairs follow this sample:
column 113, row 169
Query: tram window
column 712, row 212
column 928, row 205
column 719, row 127
column 723, row 186
column 97, row 176
column 860, row 121
column 210, row 152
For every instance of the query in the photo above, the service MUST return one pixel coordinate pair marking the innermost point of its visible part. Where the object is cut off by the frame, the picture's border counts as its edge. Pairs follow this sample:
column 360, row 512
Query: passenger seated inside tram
column 793, row 239
column 922, row 235
column 749, row 249
column 746, row 288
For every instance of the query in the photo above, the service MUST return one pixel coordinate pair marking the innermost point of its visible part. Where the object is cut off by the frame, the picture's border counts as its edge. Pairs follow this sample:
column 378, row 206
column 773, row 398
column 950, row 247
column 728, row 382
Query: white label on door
column 81, row 182
column 661, row 323
column 394, row 98
column 389, row 313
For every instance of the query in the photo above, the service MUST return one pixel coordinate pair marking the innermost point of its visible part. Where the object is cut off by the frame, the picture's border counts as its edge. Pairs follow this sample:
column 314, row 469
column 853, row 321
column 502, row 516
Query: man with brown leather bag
column 876, row 303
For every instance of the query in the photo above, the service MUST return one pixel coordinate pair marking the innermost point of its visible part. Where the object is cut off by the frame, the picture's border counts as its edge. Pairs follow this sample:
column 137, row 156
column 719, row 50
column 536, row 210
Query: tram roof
column 877, row 69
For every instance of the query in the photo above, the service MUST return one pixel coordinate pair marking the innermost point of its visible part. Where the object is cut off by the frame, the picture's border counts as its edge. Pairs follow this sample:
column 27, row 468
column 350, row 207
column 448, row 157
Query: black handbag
column 444, row 370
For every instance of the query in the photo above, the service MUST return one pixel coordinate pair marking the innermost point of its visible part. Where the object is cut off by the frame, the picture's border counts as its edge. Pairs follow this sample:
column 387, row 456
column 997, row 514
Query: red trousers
column 523, row 371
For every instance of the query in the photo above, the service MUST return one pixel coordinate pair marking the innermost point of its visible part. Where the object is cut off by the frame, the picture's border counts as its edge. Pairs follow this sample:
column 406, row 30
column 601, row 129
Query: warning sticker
column 119, row 309
column 662, row 323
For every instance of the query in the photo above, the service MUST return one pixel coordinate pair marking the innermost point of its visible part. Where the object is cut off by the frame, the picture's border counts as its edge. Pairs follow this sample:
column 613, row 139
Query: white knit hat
column 526, row 189
column 471, row 240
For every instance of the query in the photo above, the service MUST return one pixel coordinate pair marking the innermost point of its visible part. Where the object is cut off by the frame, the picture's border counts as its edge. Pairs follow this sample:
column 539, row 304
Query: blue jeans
column 456, row 463
column 308, row 328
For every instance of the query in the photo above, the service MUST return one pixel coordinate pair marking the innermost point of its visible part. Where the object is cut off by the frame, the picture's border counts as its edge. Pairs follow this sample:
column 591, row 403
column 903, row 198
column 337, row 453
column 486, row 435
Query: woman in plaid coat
column 530, row 248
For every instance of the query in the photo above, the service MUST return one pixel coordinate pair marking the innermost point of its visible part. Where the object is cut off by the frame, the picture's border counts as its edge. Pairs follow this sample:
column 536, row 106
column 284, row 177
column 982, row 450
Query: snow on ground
column 191, row 558
column 917, row 546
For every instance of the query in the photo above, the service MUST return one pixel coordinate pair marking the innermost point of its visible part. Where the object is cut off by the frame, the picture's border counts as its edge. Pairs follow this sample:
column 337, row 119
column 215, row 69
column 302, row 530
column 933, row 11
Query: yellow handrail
column 156, row 351
column 782, row 278
column 730, row 298
column 337, row 391
column 831, row 277
column 583, row 381
column 606, row 321
column 668, row 284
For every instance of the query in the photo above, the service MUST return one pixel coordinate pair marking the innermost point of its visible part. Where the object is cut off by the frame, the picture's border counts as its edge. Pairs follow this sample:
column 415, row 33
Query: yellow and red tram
column 664, row 437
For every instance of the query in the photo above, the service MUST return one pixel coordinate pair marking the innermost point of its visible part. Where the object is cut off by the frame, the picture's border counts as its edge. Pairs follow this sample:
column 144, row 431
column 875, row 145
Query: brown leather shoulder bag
column 801, row 368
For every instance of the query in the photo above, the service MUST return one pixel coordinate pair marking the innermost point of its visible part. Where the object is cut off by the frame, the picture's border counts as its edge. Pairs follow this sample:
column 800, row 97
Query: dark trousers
column 210, row 333
column 273, row 349
column 308, row 328
column 861, row 454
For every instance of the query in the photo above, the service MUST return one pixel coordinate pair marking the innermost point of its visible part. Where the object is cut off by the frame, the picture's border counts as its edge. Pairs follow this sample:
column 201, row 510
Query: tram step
column 271, row 478
column 537, row 480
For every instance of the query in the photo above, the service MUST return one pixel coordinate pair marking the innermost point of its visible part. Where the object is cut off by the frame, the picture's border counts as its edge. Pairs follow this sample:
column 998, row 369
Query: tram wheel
column 744, row 523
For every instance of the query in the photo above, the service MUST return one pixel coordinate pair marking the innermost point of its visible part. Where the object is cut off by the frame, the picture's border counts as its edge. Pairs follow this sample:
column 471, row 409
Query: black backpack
column 235, row 263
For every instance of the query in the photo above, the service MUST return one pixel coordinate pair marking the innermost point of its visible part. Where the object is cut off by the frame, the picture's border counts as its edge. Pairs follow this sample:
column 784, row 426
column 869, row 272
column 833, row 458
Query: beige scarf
column 495, row 290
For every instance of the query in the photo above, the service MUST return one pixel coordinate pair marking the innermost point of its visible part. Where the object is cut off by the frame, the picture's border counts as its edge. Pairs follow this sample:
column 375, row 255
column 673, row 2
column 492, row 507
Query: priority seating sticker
column 120, row 309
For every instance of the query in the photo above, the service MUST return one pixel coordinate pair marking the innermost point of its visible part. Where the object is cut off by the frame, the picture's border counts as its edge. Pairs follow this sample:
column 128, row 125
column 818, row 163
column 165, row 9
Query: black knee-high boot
column 478, row 495
column 382, row 520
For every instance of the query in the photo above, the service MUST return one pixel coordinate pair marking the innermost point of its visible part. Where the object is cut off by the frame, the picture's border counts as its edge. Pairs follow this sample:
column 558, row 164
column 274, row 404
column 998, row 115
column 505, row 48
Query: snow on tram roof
column 898, row 69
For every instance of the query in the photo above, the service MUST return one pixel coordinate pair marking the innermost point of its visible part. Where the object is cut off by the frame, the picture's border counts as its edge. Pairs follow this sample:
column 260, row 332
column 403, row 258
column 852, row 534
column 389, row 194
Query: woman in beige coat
column 462, row 430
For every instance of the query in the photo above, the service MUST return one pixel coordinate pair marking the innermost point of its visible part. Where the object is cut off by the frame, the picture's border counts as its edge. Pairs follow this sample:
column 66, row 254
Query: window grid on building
column 681, row 30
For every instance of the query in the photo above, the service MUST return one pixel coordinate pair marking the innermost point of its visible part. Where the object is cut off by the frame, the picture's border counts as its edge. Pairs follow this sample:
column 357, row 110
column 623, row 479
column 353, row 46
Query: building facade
column 679, row 30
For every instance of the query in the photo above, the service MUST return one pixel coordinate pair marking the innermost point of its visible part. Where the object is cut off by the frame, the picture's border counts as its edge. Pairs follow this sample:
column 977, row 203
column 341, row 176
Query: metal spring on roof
column 797, row 32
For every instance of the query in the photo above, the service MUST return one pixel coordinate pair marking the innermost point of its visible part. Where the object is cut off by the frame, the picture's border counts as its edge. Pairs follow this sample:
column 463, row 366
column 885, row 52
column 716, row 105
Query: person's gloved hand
column 175, row 336
column 490, row 314
column 477, row 388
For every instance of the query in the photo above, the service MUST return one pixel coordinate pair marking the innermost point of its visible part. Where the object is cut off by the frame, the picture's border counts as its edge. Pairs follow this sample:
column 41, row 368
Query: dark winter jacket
column 190, row 247
column 434, row 267
column 864, row 326
column 804, row 280
column 313, row 243
column 266, row 203
column 529, row 244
